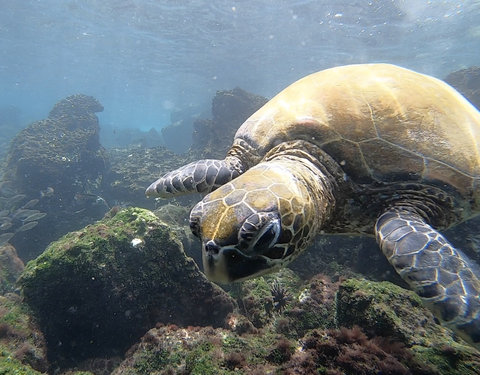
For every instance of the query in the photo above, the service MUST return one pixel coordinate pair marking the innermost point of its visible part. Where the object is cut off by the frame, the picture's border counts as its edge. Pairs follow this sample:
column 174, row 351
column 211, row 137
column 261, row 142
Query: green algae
column 10, row 366
column 111, row 281
column 385, row 309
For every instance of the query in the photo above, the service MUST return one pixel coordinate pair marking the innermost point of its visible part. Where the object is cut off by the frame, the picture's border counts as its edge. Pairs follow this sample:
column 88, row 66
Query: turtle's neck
column 314, row 170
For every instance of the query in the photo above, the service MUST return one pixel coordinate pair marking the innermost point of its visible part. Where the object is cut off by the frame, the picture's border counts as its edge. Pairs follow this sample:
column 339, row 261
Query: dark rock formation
column 229, row 110
column 11, row 266
column 96, row 291
column 59, row 161
column 467, row 81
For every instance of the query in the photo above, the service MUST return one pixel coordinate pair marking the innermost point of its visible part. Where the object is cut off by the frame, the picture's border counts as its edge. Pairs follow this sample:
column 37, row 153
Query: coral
column 108, row 292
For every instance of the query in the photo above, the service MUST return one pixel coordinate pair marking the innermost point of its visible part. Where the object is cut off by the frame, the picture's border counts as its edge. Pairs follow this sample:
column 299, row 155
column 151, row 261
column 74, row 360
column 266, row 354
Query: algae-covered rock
column 321, row 348
column 97, row 290
column 11, row 266
column 57, row 162
column 205, row 351
column 22, row 346
column 384, row 309
column 59, row 150
column 264, row 298
column 134, row 168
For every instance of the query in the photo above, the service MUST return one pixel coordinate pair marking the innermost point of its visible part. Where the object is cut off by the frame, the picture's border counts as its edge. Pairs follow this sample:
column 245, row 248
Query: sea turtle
column 370, row 148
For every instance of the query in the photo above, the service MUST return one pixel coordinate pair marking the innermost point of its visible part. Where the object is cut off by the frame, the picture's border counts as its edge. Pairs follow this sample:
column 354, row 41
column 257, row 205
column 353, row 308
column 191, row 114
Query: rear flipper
column 201, row 176
column 443, row 276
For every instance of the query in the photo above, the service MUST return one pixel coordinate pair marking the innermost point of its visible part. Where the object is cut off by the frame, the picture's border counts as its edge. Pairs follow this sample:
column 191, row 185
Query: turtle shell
column 381, row 123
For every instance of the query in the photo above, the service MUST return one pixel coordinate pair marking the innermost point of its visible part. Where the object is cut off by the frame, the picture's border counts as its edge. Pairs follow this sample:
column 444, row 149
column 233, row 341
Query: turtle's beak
column 228, row 264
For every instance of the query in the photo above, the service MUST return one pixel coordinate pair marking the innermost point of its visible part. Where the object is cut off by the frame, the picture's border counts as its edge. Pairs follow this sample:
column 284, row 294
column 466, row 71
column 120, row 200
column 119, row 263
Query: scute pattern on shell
column 381, row 122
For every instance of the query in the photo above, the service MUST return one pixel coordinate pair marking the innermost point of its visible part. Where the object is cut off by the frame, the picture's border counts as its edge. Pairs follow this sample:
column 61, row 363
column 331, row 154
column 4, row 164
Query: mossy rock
column 22, row 345
column 258, row 299
column 10, row 366
column 11, row 266
column 384, row 309
column 205, row 351
column 97, row 290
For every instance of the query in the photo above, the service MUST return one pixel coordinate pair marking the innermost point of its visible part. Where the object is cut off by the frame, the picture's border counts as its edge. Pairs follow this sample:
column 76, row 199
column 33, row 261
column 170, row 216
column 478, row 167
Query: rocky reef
column 112, row 281
column 230, row 108
column 132, row 169
column 22, row 345
column 289, row 339
column 11, row 266
column 123, row 296
column 58, row 163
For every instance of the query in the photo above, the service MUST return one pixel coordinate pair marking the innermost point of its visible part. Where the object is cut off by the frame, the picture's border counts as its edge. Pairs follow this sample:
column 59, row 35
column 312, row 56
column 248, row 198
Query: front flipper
column 443, row 276
column 201, row 176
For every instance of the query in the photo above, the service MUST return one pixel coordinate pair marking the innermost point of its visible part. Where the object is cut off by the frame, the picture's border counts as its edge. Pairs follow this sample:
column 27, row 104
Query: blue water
column 144, row 59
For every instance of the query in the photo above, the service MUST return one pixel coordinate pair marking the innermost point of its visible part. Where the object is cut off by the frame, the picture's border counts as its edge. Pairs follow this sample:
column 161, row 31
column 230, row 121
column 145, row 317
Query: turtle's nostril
column 212, row 248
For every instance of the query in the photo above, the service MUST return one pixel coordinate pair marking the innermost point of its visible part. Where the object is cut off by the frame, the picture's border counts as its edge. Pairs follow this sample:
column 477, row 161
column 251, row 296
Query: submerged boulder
column 372, row 328
column 57, row 162
column 59, row 150
column 22, row 346
column 97, row 290
column 230, row 108
column 11, row 266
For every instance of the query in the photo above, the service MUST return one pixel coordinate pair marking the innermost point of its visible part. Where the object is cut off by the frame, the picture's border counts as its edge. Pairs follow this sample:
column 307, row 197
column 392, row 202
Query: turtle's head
column 254, row 224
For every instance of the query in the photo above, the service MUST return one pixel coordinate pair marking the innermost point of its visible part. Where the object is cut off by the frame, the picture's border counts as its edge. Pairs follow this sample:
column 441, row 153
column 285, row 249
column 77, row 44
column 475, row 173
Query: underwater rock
column 177, row 216
column 11, row 266
column 230, row 108
column 356, row 349
column 132, row 170
column 113, row 137
column 61, row 155
column 22, row 346
column 467, row 81
column 345, row 256
column 61, row 151
column 97, row 290
column 203, row 351
column 384, row 309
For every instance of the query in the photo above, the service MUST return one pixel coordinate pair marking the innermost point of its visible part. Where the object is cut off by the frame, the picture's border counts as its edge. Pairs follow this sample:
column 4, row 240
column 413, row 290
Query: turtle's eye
column 259, row 232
